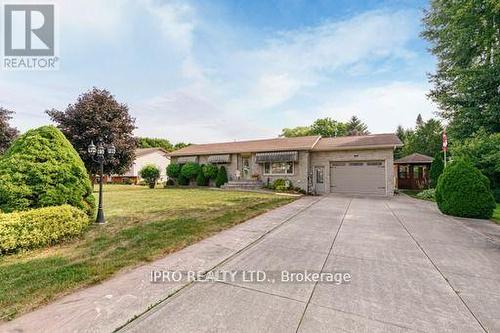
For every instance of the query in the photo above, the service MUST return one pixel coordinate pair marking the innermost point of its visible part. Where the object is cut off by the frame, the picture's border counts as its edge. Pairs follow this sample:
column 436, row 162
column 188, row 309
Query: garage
column 363, row 177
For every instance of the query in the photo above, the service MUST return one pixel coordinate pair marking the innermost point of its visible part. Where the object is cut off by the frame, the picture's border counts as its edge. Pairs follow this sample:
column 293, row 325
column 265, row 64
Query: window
column 375, row 163
column 278, row 168
column 356, row 164
column 403, row 171
column 320, row 175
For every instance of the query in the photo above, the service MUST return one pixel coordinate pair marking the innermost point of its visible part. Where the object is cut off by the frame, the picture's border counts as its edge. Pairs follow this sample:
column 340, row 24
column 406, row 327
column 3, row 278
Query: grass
column 143, row 225
column 496, row 214
column 411, row 193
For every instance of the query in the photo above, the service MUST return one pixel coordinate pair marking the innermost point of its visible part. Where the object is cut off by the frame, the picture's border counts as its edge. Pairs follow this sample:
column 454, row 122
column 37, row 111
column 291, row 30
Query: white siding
column 156, row 158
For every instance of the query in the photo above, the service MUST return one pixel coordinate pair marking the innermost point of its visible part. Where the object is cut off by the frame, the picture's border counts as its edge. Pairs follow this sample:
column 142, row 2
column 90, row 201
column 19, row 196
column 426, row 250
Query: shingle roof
column 352, row 142
column 314, row 143
column 144, row 151
column 414, row 158
column 253, row 146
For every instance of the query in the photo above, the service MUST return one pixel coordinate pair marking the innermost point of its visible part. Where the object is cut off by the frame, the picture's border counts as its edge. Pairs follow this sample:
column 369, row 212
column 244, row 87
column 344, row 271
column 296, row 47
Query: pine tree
column 356, row 127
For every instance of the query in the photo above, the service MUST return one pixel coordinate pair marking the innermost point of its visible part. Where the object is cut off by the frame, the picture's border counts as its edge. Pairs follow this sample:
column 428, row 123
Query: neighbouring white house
column 144, row 156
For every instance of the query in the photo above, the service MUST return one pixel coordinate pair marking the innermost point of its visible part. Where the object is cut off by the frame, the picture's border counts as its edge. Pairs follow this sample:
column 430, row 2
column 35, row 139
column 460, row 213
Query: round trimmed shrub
column 463, row 191
column 221, row 178
column 40, row 227
column 174, row 170
column 42, row 169
column 150, row 173
column 190, row 170
column 210, row 171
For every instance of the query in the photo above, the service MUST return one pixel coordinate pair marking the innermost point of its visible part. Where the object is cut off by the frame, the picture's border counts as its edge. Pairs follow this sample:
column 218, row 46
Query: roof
column 414, row 159
column 252, row 146
column 139, row 152
column 387, row 140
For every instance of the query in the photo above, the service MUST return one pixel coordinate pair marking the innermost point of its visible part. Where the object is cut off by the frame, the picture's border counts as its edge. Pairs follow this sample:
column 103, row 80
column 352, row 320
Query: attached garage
column 362, row 177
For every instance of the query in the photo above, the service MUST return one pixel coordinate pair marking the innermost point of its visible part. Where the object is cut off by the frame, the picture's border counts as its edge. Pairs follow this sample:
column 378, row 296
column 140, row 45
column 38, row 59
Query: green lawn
column 143, row 225
column 496, row 214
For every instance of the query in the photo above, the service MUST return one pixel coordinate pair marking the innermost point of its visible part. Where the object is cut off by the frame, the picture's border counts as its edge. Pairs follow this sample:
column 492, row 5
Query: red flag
column 445, row 141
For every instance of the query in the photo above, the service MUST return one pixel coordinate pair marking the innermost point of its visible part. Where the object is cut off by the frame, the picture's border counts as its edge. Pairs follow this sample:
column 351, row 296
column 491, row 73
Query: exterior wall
column 156, row 158
column 298, row 179
column 307, row 160
column 300, row 172
column 320, row 158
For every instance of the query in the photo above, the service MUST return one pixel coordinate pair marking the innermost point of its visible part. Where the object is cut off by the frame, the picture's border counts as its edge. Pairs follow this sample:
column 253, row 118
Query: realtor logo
column 29, row 37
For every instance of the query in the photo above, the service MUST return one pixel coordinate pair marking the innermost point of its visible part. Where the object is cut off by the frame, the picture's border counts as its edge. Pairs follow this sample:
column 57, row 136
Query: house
column 143, row 157
column 353, row 164
column 413, row 171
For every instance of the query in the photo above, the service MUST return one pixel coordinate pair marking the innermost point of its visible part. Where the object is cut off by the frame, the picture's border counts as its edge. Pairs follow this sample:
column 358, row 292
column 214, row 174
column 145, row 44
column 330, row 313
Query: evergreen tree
column 356, row 127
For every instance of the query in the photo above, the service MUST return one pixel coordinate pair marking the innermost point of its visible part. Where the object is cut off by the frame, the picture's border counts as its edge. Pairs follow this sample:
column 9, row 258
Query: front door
column 319, row 179
column 245, row 168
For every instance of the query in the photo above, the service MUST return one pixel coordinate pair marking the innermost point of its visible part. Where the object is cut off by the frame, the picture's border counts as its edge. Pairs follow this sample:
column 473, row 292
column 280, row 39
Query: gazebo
column 412, row 171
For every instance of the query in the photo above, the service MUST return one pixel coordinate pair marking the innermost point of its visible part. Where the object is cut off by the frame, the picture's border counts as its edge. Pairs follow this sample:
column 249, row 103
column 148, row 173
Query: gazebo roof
column 415, row 158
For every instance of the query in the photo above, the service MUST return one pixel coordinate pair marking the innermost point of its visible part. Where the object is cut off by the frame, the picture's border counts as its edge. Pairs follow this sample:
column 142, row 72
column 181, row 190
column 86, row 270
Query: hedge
column 42, row 169
column 463, row 191
column 40, row 227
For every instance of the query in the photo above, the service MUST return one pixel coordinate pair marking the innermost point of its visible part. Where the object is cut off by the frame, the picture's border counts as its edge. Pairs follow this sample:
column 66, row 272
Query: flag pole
column 445, row 145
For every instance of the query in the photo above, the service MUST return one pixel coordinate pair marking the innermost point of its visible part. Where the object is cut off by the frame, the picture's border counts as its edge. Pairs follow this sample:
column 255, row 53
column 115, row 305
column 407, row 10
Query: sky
column 208, row 71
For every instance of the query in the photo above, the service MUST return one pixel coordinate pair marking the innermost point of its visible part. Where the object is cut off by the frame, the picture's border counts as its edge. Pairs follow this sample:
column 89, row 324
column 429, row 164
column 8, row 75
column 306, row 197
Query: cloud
column 381, row 107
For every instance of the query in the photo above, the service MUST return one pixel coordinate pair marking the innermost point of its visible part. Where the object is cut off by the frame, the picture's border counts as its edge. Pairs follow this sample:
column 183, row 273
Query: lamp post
column 98, row 155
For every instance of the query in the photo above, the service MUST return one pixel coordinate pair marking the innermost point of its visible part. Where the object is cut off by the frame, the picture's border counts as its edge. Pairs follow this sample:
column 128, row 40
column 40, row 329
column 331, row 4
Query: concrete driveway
column 411, row 268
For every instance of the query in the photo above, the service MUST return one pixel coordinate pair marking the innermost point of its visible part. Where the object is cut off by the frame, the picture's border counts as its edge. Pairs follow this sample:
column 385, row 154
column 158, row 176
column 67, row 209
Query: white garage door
column 363, row 177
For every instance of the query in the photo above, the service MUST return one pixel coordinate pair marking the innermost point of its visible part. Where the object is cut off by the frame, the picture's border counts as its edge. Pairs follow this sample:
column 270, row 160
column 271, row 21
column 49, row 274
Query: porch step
column 243, row 184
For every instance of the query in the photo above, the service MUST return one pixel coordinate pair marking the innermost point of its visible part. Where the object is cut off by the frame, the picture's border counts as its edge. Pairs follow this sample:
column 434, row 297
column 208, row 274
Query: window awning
column 280, row 156
column 219, row 159
column 185, row 159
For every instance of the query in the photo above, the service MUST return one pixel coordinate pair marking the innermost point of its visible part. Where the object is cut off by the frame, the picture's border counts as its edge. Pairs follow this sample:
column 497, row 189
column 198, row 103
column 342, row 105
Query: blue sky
column 206, row 71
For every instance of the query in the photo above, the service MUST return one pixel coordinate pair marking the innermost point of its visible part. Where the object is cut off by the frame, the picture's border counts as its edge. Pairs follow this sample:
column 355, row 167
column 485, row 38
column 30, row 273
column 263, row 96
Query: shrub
column 170, row 182
column 183, row 180
column 437, row 168
column 201, row 180
column 190, row 170
column 210, row 171
column 150, row 173
column 40, row 227
column 42, row 169
column 174, row 170
column 282, row 184
column 221, row 178
column 464, row 191
column 482, row 150
column 429, row 194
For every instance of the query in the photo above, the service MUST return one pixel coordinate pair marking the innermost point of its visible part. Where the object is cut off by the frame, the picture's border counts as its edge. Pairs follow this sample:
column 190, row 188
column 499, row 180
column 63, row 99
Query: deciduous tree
column 465, row 38
column 7, row 132
column 97, row 114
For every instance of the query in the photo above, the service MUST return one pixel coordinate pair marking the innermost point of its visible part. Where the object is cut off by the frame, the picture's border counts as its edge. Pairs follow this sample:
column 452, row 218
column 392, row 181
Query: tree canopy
column 96, row 114
column 154, row 143
column 425, row 138
column 465, row 38
column 7, row 132
column 356, row 127
column 328, row 127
